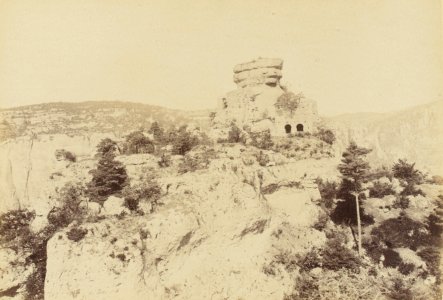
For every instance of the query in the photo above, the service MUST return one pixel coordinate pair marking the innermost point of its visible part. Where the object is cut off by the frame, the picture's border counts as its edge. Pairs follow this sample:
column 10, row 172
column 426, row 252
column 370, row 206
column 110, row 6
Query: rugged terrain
column 414, row 133
column 227, row 230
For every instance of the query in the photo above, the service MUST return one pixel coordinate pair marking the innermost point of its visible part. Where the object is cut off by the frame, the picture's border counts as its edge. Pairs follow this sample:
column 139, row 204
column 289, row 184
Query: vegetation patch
column 258, row 227
column 273, row 187
column 63, row 154
column 381, row 189
column 325, row 135
column 401, row 232
column 136, row 142
column 148, row 190
column 197, row 161
column 76, row 234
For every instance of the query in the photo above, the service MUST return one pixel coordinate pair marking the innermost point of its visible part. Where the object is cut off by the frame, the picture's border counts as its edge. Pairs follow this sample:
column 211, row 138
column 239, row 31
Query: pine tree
column 106, row 146
column 157, row 132
column 107, row 179
column 355, row 172
column 183, row 141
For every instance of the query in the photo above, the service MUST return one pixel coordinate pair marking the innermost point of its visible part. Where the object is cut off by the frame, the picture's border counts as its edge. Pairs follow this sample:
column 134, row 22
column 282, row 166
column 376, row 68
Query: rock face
column 211, row 238
column 31, row 171
column 253, row 103
column 414, row 134
column 261, row 71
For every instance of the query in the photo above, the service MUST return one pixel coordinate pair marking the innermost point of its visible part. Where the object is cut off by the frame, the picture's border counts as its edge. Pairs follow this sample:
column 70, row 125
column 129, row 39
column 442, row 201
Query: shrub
column 35, row 284
column 401, row 232
column 235, row 135
column 342, row 284
column 306, row 287
column 262, row 140
column 401, row 202
column 106, row 147
column 108, row 179
column 148, row 190
column 310, row 260
column 131, row 203
column 191, row 164
column 411, row 190
column 434, row 222
column 287, row 260
column 14, row 228
column 62, row 154
column 198, row 161
column 273, row 187
column 400, row 290
column 381, row 172
column 332, row 256
column 70, row 156
column 262, row 159
column 392, row 258
column 336, row 256
column 288, row 102
column 431, row 255
column 183, row 141
column 326, row 135
column 406, row 268
column 322, row 221
column 76, row 234
column 137, row 142
column 328, row 191
column 68, row 209
column 381, row 189
column 164, row 161
column 407, row 172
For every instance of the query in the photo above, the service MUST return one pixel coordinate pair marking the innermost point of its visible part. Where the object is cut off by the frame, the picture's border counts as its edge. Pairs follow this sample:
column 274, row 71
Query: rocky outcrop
column 253, row 103
column 260, row 71
column 211, row 238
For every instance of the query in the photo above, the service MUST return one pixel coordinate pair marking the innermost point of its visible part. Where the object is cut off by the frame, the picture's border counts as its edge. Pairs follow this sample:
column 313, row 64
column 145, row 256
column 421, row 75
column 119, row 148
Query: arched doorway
column 299, row 127
column 288, row 128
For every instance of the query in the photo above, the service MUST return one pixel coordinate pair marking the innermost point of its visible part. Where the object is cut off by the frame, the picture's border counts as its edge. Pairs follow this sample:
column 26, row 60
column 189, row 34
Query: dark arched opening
column 299, row 127
column 288, row 128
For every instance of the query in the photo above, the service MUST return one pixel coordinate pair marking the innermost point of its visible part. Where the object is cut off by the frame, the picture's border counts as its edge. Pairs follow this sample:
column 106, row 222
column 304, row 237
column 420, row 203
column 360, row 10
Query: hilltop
column 115, row 117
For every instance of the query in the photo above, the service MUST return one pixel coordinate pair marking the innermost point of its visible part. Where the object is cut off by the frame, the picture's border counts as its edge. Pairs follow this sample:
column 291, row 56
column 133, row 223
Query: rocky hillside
column 27, row 161
column 211, row 237
column 229, row 220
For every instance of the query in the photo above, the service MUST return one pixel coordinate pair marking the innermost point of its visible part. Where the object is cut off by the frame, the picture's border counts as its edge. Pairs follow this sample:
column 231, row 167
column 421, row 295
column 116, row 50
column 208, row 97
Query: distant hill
column 415, row 134
column 94, row 116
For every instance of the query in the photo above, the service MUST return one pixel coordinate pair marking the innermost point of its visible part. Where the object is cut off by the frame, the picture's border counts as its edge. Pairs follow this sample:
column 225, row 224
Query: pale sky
column 349, row 56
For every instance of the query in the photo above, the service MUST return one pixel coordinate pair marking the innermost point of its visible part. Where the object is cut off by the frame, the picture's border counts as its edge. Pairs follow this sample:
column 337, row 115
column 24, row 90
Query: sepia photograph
column 221, row 149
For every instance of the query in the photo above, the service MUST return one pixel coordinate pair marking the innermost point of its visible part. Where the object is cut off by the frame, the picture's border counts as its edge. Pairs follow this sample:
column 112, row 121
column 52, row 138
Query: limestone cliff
column 414, row 134
column 30, row 172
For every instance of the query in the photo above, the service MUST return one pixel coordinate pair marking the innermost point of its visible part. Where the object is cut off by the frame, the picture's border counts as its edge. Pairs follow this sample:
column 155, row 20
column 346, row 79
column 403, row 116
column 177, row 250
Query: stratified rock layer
column 259, row 71
column 253, row 103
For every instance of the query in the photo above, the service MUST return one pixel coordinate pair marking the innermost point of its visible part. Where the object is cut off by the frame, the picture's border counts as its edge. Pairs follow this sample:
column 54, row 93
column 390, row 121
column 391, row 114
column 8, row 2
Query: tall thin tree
column 355, row 170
